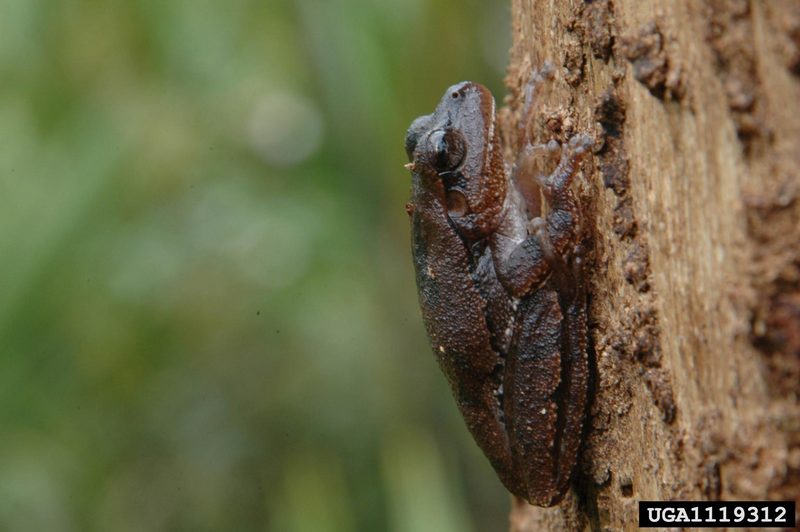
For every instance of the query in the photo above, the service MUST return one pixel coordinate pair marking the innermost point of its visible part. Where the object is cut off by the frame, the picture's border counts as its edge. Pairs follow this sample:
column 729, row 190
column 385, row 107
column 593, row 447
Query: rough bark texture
column 692, row 196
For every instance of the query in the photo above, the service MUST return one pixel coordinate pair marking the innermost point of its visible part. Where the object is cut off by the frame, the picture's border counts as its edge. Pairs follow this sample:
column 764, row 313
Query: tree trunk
column 692, row 200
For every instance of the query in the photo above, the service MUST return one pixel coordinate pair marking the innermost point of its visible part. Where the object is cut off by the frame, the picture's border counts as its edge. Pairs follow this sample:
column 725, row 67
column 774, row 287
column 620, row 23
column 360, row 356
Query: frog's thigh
column 532, row 378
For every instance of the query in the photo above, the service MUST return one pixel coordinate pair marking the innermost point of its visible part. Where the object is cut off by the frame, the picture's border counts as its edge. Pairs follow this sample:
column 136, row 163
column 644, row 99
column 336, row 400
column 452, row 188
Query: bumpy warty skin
column 505, row 311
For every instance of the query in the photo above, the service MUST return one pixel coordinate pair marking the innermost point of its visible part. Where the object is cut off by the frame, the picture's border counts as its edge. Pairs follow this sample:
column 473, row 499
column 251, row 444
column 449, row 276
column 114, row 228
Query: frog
column 501, row 286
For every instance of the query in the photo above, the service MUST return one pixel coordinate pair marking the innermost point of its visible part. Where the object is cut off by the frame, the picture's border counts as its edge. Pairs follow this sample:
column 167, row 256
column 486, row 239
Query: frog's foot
column 533, row 150
column 578, row 144
column 522, row 169
column 571, row 154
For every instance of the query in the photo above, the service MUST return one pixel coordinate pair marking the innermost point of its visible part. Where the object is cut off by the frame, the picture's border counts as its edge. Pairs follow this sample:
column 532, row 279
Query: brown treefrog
column 502, row 290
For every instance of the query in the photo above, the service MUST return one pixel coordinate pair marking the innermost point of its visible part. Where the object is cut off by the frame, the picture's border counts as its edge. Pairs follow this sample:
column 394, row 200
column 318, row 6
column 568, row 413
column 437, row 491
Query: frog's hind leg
column 532, row 405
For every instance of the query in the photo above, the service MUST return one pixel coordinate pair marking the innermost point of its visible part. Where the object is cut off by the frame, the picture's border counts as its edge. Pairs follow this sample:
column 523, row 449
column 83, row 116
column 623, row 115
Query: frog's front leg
column 521, row 266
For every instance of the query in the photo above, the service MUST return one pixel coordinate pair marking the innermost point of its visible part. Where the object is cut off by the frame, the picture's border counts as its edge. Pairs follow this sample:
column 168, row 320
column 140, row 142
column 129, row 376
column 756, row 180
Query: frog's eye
column 449, row 147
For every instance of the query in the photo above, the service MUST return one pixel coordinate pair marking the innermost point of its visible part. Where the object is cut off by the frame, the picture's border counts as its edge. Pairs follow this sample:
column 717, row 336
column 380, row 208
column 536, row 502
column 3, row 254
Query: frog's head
column 457, row 146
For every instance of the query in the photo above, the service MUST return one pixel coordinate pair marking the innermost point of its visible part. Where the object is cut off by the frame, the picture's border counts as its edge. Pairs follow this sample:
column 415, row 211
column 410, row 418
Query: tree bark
column 691, row 198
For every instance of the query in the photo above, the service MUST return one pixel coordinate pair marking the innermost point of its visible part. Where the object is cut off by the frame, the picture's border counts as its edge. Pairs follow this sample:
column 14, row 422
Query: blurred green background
column 208, row 318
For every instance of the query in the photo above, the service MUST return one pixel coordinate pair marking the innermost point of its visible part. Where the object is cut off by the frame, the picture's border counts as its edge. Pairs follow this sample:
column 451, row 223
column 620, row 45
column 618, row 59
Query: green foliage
column 208, row 318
